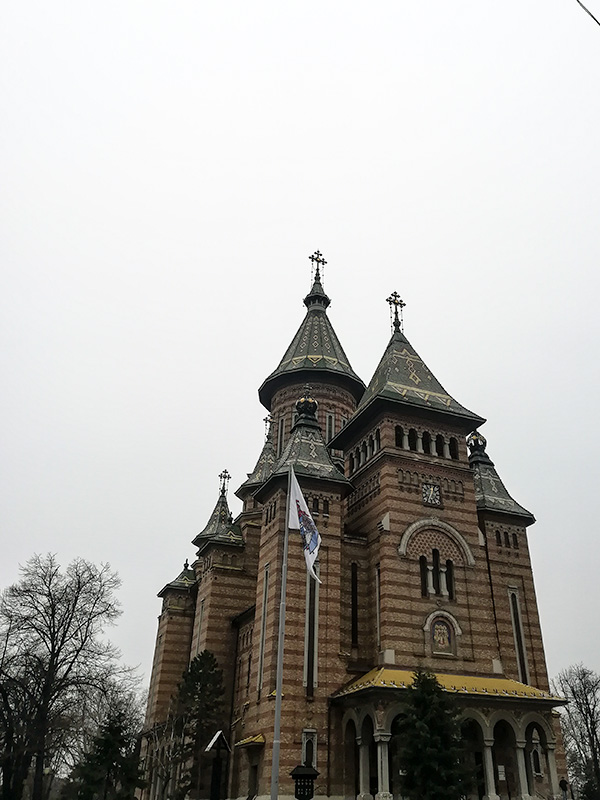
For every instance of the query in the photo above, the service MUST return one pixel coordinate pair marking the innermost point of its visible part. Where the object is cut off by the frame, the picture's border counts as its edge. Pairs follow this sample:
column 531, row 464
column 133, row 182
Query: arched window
column 498, row 538
column 326, row 507
column 357, row 456
column 371, row 446
column 506, row 539
column 412, row 439
column 436, row 570
column 377, row 441
column 450, row 578
column 423, row 567
column 453, row 448
column 515, row 539
column 351, row 460
column 399, row 436
column 426, row 442
column 363, row 453
column 516, row 620
column 315, row 505
column 439, row 445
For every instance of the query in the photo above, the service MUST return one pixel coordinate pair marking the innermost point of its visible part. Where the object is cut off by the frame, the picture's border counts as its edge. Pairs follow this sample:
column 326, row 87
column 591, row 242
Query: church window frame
column 263, row 629
column 498, row 539
column 507, row 540
column 453, row 447
column 378, row 604
column 399, row 436
column 424, row 570
column 426, row 440
column 434, row 648
column 329, row 426
column 515, row 541
column 315, row 506
column 354, row 604
column 309, row 747
column 439, row 445
column 310, row 678
column 412, row 440
column 280, row 434
column 519, row 634
column 325, row 507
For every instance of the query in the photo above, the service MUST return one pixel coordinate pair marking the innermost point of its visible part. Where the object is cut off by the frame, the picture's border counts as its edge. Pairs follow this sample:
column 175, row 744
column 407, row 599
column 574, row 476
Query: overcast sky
column 166, row 170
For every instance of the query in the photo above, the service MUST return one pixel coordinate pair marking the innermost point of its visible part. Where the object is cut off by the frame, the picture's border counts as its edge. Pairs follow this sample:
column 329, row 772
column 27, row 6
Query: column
column 522, row 771
column 405, row 445
column 432, row 450
column 430, row 586
column 446, row 447
column 383, row 769
column 420, row 442
column 443, row 582
column 488, row 771
column 554, row 788
column 363, row 770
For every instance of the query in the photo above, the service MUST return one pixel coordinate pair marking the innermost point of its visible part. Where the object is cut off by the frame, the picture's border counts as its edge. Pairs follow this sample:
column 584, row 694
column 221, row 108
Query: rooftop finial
column 267, row 420
column 186, row 564
column 317, row 258
column 396, row 302
column 224, row 477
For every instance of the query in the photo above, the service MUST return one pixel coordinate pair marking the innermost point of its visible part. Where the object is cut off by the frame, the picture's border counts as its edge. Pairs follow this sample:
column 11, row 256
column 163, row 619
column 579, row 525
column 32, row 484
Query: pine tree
column 431, row 752
column 110, row 770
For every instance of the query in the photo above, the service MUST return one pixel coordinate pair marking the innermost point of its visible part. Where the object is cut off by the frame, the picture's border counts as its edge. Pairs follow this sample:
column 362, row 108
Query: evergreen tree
column 110, row 770
column 431, row 751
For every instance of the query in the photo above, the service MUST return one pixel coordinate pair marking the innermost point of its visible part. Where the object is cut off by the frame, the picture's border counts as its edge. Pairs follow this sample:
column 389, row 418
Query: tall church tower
column 424, row 563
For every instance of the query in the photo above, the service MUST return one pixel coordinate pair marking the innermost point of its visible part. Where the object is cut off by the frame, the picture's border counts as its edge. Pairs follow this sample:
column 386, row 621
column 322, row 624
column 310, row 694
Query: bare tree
column 53, row 659
column 580, row 722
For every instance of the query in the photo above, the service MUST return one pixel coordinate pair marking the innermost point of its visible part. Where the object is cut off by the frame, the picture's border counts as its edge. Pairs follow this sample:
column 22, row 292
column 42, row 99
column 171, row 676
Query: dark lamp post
column 304, row 778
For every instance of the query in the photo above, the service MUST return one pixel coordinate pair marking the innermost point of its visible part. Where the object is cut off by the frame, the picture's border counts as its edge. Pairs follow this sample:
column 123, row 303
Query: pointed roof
column 403, row 378
column 490, row 492
column 263, row 469
column 306, row 452
column 315, row 350
column 220, row 527
column 183, row 582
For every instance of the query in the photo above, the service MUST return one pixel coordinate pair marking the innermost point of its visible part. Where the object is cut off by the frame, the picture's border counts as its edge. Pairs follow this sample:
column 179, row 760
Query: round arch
column 433, row 523
column 476, row 715
column 538, row 719
column 444, row 615
column 506, row 716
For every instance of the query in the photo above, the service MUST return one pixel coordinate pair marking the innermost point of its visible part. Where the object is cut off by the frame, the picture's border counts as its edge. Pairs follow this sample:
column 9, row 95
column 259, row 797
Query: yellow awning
column 251, row 741
column 391, row 678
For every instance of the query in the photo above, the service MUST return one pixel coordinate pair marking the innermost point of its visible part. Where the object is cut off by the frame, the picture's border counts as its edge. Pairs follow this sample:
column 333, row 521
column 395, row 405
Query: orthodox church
column 424, row 562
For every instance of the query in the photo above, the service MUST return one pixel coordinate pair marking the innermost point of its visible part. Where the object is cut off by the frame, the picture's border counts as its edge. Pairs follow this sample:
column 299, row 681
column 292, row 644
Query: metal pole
column 280, row 641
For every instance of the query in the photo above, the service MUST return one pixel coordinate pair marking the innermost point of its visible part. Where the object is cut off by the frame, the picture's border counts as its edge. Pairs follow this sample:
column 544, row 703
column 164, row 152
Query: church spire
column 315, row 353
column 220, row 526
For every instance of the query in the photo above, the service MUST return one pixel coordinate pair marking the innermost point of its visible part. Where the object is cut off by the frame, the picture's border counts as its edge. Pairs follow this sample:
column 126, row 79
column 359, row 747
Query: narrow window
column 280, row 435
column 200, row 621
column 426, row 442
column 371, row 450
column 263, row 627
column 498, row 538
column 311, row 633
column 450, row 578
column 351, row 461
column 344, row 421
column 326, row 507
column 363, row 453
column 378, row 603
column 248, row 675
column 423, row 567
column 439, row 445
column 309, row 747
column 436, row 570
column 399, row 436
column 329, row 427
column 377, row 441
column 354, row 602
column 518, row 632
column 412, row 440
column 515, row 539
column 453, row 448
column 315, row 505
column 506, row 539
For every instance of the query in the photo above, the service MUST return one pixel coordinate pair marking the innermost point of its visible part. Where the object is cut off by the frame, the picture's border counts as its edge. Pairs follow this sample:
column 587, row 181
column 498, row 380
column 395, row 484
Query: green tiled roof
column 262, row 470
column 315, row 349
column 490, row 493
column 183, row 582
column 220, row 527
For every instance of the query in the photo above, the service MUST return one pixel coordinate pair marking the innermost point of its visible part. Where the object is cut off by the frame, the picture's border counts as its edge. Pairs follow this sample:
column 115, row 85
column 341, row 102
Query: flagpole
column 280, row 642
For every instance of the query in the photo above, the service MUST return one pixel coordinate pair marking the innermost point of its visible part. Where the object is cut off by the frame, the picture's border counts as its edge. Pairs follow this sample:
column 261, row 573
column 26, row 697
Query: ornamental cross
column 267, row 420
column 317, row 258
column 395, row 301
column 224, row 477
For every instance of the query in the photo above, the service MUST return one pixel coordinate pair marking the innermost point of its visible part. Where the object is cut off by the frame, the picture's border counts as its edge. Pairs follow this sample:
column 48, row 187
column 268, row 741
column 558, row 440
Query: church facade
column 424, row 563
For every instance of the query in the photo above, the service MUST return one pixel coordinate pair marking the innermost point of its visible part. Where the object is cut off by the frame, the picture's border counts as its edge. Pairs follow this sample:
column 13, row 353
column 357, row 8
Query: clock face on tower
column 431, row 494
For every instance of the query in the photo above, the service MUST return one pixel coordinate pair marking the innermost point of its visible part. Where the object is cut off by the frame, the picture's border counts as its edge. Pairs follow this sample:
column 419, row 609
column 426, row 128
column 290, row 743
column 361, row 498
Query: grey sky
column 167, row 168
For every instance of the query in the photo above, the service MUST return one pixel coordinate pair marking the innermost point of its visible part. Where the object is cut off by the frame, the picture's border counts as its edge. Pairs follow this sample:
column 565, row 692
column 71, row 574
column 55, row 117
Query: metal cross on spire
column 395, row 301
column 224, row 477
column 317, row 258
column 267, row 420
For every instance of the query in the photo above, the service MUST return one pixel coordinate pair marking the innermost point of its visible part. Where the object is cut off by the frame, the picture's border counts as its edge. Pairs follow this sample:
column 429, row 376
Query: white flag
column 301, row 520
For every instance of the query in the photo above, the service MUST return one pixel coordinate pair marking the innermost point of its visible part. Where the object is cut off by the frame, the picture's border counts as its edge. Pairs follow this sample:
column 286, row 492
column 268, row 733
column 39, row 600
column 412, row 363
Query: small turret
column 220, row 527
column 490, row 493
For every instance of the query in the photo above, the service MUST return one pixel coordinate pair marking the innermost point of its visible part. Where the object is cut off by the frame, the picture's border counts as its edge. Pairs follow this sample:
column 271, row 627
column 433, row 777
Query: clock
column 431, row 494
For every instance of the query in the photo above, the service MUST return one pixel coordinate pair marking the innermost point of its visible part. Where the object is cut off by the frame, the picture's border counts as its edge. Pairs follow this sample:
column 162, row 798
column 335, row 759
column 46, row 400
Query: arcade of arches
column 511, row 752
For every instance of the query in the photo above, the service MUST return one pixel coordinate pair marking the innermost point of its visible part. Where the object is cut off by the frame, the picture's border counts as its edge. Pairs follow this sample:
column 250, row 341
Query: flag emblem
column 301, row 520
